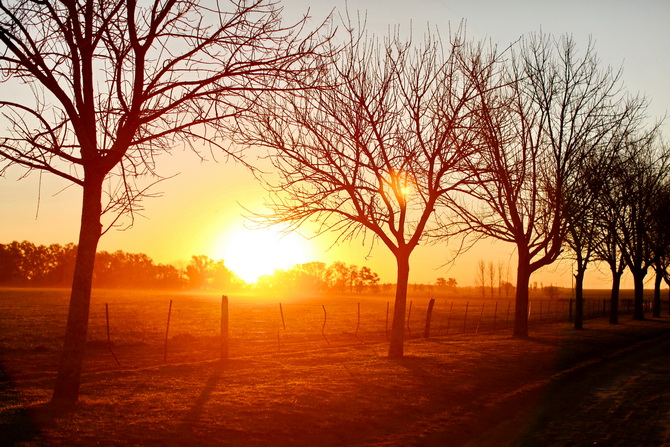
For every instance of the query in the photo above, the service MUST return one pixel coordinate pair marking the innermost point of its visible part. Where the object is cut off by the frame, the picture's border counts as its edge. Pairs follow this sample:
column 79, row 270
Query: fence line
column 198, row 328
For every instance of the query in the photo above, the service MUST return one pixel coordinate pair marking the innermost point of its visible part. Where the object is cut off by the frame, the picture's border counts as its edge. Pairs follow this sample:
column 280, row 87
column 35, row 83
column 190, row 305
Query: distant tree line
column 29, row 265
column 337, row 277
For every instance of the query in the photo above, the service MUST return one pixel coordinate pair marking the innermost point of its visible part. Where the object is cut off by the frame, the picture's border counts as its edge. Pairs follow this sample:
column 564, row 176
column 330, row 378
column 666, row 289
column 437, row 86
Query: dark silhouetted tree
column 373, row 156
column 644, row 178
column 606, row 211
column 543, row 113
column 117, row 82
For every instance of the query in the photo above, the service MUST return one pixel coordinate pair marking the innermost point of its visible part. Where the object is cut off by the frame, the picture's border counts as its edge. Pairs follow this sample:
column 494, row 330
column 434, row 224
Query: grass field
column 280, row 386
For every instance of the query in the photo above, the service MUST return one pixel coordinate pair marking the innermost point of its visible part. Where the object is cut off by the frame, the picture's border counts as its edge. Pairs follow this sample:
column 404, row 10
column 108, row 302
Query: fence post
column 465, row 319
column 429, row 315
column 109, row 341
column 281, row 311
column 358, row 320
column 409, row 313
column 323, row 328
column 167, row 330
column 386, row 328
column 481, row 314
column 358, row 323
column 451, row 308
column 509, row 304
column 224, row 327
column 495, row 316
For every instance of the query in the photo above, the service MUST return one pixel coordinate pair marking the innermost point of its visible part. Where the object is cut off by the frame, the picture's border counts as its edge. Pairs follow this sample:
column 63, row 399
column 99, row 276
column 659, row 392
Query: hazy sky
column 200, row 213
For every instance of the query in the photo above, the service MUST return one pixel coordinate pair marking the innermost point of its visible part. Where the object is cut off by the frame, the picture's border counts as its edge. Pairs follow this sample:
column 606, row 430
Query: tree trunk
column 521, row 306
column 396, row 346
column 579, row 297
column 614, row 297
column 638, row 304
column 66, row 390
column 656, row 311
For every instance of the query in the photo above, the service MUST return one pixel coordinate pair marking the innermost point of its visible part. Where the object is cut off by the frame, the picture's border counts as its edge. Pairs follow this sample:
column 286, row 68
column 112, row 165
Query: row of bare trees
column 380, row 139
column 459, row 141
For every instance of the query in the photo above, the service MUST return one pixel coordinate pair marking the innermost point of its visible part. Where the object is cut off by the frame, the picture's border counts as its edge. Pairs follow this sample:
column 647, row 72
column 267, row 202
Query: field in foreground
column 481, row 389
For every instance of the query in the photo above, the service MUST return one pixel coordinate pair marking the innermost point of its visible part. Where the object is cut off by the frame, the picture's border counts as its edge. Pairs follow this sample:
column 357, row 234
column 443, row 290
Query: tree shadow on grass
column 20, row 423
column 185, row 429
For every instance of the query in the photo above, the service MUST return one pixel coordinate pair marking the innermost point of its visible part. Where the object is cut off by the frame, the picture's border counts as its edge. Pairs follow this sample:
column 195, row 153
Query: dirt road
column 620, row 400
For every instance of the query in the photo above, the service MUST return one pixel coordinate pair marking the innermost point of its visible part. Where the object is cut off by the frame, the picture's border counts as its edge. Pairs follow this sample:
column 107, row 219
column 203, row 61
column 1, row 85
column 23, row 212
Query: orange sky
column 200, row 213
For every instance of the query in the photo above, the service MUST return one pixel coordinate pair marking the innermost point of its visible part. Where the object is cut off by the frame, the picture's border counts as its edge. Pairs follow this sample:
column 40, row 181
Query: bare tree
column 660, row 240
column 585, row 198
column 492, row 277
column 480, row 277
column 372, row 156
column 501, row 275
column 642, row 185
column 607, row 209
column 541, row 117
column 115, row 83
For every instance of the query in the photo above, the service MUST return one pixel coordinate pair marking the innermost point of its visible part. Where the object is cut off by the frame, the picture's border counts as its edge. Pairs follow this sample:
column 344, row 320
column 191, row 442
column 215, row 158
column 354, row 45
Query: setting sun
column 253, row 253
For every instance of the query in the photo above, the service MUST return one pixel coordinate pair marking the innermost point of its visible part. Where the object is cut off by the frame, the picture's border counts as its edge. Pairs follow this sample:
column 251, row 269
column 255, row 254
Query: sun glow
column 253, row 253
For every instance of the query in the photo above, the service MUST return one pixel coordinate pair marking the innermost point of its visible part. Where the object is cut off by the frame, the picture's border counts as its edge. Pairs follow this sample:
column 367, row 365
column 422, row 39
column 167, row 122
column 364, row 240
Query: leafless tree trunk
column 115, row 83
column 642, row 183
column 492, row 277
column 542, row 115
column 373, row 156
column 480, row 277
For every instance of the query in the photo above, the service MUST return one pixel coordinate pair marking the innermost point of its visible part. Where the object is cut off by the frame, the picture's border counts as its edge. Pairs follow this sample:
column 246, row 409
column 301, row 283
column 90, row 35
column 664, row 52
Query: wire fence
column 181, row 328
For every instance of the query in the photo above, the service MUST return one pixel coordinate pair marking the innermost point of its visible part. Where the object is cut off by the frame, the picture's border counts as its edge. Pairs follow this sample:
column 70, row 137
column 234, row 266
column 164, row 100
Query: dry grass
column 343, row 394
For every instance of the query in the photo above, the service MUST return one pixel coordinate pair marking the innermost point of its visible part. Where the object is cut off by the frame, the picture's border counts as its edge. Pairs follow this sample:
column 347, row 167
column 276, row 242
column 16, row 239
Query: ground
column 605, row 385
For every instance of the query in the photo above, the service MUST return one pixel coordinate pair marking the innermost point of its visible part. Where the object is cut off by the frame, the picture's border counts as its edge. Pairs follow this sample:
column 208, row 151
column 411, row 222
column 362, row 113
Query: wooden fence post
column 358, row 323
column 281, row 311
column 409, row 313
column 167, row 330
column 224, row 327
column 358, row 319
column 323, row 328
column 465, row 319
column 480, row 318
column 495, row 316
column 109, row 340
column 429, row 315
column 509, row 304
column 387, row 321
column 451, row 308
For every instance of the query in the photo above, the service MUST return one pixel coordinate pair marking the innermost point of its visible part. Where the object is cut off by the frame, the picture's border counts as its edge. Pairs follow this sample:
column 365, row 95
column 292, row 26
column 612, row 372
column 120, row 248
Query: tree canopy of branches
column 639, row 213
column 372, row 156
column 544, row 113
column 586, row 201
column 117, row 82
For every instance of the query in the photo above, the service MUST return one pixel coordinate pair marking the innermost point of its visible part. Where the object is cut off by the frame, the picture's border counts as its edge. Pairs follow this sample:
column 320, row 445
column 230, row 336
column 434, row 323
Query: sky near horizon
column 200, row 209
